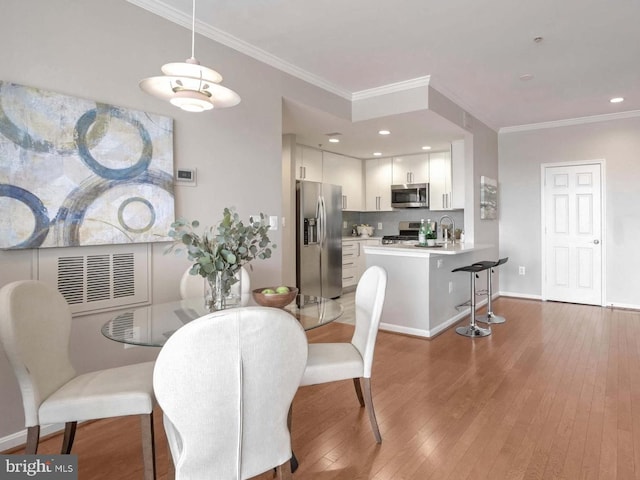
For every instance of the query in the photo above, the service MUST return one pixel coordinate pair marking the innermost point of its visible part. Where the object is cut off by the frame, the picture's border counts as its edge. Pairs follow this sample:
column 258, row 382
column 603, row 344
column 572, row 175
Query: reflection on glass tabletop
column 154, row 324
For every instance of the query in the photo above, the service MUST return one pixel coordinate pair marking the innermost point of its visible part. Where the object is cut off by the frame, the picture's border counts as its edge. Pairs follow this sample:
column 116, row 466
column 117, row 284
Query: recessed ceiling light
column 384, row 132
column 426, row 147
column 376, row 154
column 334, row 140
column 617, row 100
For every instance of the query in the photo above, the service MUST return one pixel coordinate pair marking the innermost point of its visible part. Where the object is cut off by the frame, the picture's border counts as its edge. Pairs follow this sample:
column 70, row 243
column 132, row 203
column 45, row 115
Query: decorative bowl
column 276, row 300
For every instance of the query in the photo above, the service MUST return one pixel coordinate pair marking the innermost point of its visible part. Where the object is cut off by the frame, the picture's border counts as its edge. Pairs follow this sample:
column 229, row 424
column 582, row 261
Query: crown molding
column 571, row 121
column 180, row 18
column 391, row 88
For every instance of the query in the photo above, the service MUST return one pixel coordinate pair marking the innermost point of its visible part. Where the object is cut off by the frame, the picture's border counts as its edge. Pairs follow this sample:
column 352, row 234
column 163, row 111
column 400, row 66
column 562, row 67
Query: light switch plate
column 273, row 222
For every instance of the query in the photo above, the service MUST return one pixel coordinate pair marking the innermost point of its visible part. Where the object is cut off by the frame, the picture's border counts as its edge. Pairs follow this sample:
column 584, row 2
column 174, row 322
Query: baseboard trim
column 624, row 306
column 20, row 438
column 520, row 295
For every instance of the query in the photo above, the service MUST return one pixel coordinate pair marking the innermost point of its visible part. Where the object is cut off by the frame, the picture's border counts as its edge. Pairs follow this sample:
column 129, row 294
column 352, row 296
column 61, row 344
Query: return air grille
column 94, row 279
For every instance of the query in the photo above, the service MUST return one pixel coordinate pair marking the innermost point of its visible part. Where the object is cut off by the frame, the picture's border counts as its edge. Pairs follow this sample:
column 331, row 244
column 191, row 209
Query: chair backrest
column 225, row 383
column 369, row 301
column 35, row 323
column 193, row 286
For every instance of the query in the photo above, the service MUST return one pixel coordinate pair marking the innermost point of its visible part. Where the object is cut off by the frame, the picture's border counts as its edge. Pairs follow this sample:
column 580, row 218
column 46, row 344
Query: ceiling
column 474, row 52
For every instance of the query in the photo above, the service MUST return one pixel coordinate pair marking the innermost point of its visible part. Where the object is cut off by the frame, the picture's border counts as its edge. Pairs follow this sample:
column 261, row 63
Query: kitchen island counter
column 423, row 294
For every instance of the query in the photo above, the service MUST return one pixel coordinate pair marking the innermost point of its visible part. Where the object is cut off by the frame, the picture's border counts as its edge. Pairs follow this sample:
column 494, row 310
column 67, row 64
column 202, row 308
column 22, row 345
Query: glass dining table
column 152, row 325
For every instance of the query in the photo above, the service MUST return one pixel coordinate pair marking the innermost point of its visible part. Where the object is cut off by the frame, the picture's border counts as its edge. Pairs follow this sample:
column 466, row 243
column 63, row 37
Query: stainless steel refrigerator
column 319, row 239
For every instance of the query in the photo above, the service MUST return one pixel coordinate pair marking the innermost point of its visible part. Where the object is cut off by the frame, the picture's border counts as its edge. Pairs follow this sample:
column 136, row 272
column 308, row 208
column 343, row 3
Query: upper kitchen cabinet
column 347, row 172
column 446, row 172
column 378, row 177
column 308, row 164
column 411, row 169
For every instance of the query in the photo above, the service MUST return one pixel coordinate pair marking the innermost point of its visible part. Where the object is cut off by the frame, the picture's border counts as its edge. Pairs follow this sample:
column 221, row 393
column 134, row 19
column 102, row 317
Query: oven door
column 413, row 195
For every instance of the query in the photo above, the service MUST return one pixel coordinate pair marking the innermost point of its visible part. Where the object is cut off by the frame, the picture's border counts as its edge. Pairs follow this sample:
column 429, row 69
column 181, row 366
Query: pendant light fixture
column 189, row 85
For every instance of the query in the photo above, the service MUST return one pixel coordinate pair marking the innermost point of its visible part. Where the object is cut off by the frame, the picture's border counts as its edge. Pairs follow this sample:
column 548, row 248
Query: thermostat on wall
column 186, row 176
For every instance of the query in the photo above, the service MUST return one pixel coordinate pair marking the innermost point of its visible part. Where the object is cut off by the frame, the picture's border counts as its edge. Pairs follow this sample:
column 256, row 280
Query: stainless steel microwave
column 410, row 195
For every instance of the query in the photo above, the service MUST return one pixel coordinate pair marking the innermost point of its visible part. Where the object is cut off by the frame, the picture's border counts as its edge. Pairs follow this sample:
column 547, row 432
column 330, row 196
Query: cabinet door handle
column 348, row 263
column 377, row 203
column 348, row 254
column 344, row 202
column 305, row 172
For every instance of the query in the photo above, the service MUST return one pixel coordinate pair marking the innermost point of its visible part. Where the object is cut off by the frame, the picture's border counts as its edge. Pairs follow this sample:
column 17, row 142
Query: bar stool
column 472, row 330
column 490, row 317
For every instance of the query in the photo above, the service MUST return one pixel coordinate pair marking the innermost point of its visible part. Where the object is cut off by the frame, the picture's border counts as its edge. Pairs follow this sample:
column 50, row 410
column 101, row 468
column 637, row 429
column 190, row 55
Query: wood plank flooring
column 554, row 393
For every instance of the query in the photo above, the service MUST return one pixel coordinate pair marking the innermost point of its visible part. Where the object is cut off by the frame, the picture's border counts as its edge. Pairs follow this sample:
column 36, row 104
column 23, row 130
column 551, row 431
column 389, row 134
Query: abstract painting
column 78, row 172
column 488, row 198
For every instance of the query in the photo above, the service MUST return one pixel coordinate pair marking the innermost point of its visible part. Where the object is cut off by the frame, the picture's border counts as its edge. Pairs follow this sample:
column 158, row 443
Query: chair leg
column 356, row 383
column 148, row 447
column 69, row 436
column 283, row 472
column 368, row 400
column 33, row 437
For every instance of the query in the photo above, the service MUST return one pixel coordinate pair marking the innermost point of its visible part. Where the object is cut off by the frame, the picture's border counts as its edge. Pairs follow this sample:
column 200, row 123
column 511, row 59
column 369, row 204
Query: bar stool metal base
column 473, row 331
column 490, row 319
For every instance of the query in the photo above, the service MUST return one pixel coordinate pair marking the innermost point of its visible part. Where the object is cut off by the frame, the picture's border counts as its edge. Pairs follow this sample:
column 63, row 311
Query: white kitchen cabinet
column 378, row 178
column 411, row 169
column 308, row 164
column 446, row 174
column 354, row 259
column 349, row 263
column 346, row 172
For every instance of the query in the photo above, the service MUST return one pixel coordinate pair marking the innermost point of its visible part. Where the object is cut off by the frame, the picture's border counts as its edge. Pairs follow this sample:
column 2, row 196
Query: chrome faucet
column 444, row 230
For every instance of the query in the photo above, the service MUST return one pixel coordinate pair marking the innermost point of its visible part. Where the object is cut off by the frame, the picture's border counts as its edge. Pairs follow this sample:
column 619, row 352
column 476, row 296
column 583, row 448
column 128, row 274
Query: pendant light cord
column 193, row 31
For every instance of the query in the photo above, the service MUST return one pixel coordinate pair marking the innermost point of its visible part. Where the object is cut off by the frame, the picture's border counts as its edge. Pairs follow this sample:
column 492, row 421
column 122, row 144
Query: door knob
column 596, row 241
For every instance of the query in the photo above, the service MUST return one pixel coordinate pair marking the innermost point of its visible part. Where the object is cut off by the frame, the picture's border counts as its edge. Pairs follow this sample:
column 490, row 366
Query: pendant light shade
column 189, row 85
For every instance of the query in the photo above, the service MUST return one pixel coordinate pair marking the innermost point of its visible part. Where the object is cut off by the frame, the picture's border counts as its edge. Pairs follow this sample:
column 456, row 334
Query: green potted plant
column 218, row 252
column 431, row 237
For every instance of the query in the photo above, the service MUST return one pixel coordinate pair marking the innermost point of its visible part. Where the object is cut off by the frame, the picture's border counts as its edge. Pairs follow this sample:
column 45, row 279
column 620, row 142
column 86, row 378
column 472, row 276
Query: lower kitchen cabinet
column 353, row 259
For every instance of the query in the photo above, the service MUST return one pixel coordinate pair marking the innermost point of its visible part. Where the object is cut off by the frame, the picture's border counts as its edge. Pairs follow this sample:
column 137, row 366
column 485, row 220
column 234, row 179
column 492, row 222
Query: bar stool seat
column 490, row 317
column 472, row 330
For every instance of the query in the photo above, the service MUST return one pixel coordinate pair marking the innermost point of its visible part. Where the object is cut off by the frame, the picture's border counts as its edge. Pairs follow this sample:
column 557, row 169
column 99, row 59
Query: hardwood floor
column 552, row 393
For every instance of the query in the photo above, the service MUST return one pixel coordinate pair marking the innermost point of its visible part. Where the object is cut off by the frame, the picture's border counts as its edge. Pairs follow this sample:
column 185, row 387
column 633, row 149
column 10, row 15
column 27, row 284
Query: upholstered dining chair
column 331, row 362
column 225, row 383
column 192, row 286
column 35, row 323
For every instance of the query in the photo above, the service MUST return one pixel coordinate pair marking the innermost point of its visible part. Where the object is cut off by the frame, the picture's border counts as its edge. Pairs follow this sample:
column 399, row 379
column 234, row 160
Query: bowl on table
column 276, row 300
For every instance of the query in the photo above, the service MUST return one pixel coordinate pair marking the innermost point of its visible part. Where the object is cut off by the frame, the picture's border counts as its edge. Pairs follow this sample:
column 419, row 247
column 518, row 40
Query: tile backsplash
column 390, row 220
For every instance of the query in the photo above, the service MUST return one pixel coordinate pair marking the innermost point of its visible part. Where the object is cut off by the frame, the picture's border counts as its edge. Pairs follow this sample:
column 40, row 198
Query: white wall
column 522, row 153
column 100, row 50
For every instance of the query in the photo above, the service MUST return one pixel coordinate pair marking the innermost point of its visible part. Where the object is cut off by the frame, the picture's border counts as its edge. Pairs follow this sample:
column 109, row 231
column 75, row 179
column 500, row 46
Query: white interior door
column 573, row 234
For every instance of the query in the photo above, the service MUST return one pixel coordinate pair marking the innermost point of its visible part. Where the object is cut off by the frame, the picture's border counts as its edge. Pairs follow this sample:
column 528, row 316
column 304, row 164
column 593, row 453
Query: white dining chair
column 225, row 383
column 193, row 286
column 35, row 324
column 331, row 362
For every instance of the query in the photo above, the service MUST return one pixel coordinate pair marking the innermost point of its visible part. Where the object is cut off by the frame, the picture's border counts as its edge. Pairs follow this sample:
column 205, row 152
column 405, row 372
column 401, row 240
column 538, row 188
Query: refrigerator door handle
column 322, row 234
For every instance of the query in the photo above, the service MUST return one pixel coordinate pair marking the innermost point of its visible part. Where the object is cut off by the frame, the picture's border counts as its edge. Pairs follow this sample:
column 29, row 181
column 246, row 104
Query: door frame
column 603, row 229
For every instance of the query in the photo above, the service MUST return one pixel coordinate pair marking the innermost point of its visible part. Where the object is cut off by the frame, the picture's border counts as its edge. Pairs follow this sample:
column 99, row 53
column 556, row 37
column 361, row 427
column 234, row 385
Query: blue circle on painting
column 128, row 202
column 40, row 215
column 82, row 129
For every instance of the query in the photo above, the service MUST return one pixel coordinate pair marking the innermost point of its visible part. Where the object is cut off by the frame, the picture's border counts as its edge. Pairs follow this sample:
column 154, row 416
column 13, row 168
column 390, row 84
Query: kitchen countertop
column 358, row 238
column 414, row 250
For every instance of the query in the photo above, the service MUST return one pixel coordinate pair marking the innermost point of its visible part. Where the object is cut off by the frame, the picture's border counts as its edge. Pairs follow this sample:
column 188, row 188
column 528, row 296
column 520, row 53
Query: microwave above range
column 410, row 195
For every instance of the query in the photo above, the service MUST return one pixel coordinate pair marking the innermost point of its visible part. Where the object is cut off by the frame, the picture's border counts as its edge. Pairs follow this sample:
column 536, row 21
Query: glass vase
column 222, row 291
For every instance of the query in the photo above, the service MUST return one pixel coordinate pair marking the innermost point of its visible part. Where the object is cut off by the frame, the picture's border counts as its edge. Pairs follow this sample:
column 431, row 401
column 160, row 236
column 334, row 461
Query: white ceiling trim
column 571, row 121
column 173, row 15
column 391, row 88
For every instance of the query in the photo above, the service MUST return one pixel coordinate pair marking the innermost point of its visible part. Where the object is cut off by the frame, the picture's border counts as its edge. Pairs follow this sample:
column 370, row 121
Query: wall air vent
column 98, row 278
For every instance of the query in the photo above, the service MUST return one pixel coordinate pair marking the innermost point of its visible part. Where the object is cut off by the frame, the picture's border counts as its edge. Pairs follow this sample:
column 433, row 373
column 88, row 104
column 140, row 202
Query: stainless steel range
column 408, row 234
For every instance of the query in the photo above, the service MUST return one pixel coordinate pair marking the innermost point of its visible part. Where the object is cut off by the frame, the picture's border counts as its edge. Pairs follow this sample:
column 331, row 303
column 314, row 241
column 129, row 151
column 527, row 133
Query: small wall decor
column 78, row 172
column 488, row 198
